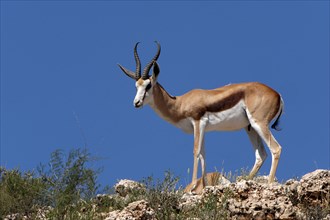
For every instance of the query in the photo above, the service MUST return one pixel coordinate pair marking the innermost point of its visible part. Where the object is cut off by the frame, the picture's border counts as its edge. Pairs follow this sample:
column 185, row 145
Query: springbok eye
column 148, row 87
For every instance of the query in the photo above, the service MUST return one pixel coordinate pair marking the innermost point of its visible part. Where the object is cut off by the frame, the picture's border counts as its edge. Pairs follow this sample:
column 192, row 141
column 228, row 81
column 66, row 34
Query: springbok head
column 144, row 82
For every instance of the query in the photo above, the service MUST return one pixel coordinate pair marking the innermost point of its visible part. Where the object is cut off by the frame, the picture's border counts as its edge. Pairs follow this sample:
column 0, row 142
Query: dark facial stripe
column 148, row 87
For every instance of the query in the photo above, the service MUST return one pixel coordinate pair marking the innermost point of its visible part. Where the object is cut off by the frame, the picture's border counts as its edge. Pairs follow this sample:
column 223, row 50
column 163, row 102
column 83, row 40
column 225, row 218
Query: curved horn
column 137, row 61
column 130, row 73
column 146, row 70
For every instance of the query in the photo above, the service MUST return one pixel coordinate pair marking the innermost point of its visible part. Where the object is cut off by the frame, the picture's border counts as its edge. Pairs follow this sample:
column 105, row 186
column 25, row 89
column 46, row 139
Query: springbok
column 250, row 105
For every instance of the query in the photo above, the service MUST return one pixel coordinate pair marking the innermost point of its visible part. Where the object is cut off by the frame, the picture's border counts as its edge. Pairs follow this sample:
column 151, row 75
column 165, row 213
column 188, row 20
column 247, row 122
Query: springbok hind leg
column 273, row 145
column 259, row 150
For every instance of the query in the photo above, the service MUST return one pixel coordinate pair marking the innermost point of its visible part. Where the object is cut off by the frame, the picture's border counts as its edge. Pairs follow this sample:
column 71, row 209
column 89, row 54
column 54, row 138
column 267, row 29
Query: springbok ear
column 156, row 70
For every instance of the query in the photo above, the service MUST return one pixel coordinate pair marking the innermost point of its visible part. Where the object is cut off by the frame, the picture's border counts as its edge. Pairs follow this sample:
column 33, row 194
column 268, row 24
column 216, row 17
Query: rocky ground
column 307, row 198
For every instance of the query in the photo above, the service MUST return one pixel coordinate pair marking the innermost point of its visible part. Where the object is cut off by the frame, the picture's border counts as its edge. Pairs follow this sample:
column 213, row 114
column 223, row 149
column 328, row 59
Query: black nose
column 137, row 104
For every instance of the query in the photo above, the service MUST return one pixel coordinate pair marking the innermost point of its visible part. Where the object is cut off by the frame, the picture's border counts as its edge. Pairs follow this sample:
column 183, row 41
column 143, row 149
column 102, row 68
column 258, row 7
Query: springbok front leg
column 199, row 151
column 259, row 149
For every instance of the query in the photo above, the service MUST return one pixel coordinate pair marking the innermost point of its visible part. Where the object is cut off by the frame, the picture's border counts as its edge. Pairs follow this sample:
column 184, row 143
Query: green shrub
column 20, row 193
column 163, row 196
column 69, row 182
column 65, row 187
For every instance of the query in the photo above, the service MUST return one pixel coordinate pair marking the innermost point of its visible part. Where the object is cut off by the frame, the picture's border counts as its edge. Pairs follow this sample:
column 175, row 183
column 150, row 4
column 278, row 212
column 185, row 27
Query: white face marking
column 143, row 92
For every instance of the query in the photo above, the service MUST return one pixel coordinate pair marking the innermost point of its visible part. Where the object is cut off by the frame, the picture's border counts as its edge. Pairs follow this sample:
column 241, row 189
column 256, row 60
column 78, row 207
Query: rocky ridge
column 307, row 198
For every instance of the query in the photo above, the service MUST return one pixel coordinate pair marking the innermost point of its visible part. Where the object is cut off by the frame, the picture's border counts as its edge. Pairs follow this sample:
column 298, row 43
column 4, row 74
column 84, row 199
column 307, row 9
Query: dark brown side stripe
column 226, row 103
column 219, row 106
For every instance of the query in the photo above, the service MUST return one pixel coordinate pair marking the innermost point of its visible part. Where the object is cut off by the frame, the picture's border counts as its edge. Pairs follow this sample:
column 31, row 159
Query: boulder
column 124, row 187
column 314, row 187
column 252, row 200
column 139, row 210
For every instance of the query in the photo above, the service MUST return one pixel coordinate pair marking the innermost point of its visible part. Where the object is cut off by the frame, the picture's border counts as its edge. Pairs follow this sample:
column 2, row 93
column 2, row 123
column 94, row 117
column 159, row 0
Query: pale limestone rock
column 134, row 211
column 254, row 200
column 124, row 187
column 189, row 201
column 314, row 186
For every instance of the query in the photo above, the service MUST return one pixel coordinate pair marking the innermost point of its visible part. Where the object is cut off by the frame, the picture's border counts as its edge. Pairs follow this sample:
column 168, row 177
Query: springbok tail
column 276, row 126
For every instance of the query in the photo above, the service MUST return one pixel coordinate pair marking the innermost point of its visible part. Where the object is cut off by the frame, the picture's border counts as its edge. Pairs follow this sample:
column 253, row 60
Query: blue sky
column 61, row 86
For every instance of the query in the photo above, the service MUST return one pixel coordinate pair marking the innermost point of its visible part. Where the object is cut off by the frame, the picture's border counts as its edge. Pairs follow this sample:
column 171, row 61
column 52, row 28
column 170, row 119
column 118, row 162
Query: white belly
column 232, row 119
column 186, row 125
column 228, row 120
